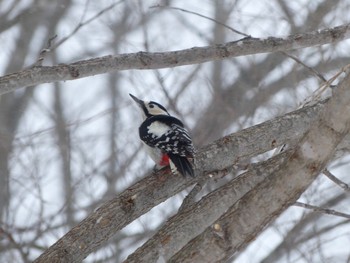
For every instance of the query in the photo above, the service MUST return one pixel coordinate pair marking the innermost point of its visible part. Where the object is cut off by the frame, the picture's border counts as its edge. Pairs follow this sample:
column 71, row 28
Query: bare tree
column 263, row 86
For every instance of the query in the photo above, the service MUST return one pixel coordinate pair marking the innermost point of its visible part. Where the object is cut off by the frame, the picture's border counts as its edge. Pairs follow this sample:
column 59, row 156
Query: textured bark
column 146, row 60
column 270, row 198
column 113, row 215
column 98, row 143
column 196, row 218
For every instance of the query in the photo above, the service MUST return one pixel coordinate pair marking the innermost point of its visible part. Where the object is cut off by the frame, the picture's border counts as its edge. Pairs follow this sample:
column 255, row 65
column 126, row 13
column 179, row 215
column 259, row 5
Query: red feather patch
column 165, row 160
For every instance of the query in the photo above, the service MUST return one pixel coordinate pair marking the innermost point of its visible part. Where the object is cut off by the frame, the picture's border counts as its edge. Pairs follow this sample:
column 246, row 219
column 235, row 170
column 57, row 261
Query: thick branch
column 257, row 139
column 115, row 214
column 146, row 60
column 248, row 217
column 186, row 225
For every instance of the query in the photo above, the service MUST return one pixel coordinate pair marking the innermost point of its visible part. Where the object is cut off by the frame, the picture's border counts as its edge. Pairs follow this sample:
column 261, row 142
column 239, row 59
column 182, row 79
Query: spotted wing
column 176, row 141
column 172, row 137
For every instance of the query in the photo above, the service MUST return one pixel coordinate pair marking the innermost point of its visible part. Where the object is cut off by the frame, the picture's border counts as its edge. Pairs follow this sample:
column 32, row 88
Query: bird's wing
column 168, row 134
column 177, row 141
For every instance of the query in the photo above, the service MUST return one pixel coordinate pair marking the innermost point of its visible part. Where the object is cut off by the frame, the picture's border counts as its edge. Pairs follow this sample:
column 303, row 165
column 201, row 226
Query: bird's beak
column 139, row 102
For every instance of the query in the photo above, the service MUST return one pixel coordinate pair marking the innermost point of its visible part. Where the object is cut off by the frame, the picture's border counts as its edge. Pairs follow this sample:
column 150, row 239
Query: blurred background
column 67, row 147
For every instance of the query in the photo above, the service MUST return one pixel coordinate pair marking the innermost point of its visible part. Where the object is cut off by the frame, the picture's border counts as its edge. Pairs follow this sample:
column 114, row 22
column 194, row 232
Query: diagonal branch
column 147, row 60
column 322, row 210
column 259, row 207
column 139, row 198
column 189, row 223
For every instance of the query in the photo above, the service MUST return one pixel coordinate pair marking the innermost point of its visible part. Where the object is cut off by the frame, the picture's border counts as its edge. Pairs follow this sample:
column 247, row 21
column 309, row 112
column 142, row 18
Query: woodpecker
column 165, row 138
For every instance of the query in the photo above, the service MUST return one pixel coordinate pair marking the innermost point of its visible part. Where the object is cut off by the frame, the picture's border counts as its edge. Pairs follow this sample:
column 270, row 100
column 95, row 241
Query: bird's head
column 149, row 108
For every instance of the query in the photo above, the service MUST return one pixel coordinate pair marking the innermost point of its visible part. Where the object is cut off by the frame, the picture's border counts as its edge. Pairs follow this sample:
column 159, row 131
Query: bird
column 167, row 141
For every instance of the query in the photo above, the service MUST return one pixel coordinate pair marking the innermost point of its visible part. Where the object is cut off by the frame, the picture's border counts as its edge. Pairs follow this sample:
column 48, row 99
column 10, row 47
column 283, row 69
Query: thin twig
column 44, row 51
column 19, row 247
column 337, row 181
column 328, row 84
column 50, row 48
column 203, row 16
column 314, row 71
column 71, row 124
column 316, row 94
column 81, row 24
column 322, row 210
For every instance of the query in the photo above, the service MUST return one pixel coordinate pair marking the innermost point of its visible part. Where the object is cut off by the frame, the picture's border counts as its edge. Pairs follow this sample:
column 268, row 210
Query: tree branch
column 139, row 198
column 248, row 217
column 190, row 222
column 113, row 215
column 147, row 60
column 322, row 210
column 337, row 181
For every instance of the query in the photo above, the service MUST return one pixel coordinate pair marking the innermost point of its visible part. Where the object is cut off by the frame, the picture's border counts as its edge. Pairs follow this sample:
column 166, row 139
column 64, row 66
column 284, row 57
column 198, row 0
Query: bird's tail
column 181, row 165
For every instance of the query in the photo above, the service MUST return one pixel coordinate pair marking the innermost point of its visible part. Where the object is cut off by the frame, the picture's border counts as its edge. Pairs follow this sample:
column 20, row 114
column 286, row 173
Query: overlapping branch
column 279, row 190
column 147, row 193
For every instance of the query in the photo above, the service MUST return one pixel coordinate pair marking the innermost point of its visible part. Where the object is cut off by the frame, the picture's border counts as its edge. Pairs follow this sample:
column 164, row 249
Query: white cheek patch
column 156, row 111
column 157, row 128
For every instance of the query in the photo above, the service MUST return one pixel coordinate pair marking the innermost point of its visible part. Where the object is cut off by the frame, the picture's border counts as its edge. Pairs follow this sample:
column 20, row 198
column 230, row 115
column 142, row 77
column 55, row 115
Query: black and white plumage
column 166, row 139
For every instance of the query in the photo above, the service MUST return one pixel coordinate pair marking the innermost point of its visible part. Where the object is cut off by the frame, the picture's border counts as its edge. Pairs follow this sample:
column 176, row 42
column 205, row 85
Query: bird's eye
column 151, row 106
